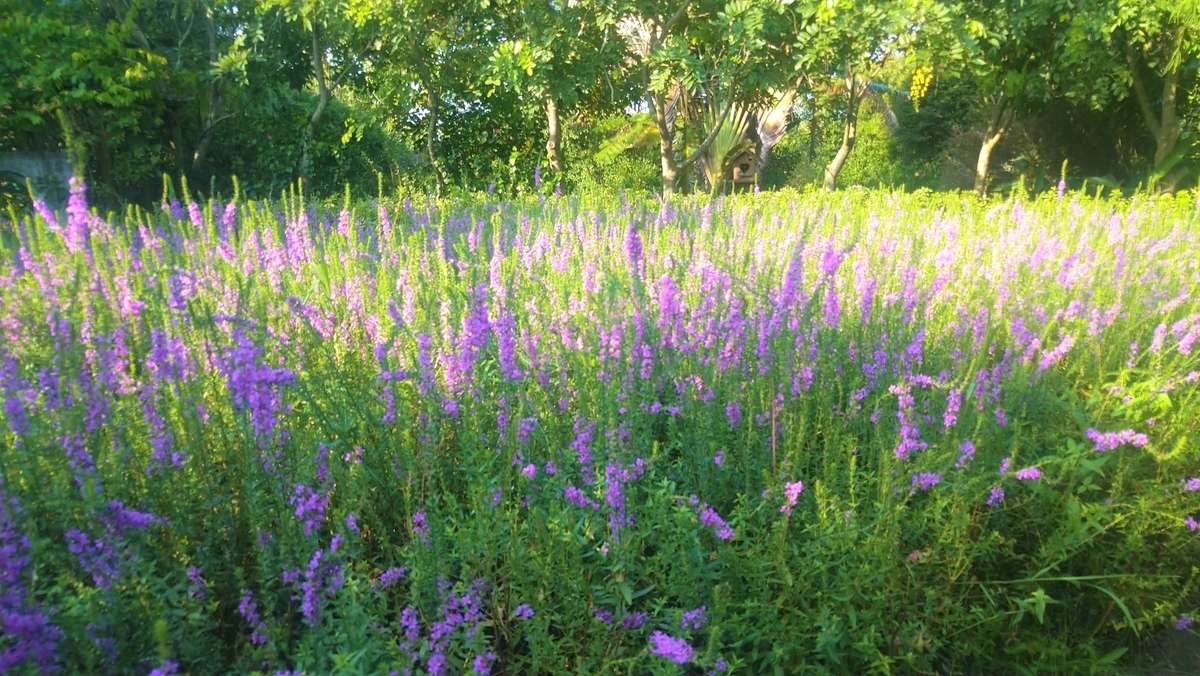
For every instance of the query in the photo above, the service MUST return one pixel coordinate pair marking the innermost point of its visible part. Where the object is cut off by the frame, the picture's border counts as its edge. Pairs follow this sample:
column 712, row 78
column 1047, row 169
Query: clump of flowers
column 1029, row 474
column 675, row 649
column 791, row 493
column 1107, row 441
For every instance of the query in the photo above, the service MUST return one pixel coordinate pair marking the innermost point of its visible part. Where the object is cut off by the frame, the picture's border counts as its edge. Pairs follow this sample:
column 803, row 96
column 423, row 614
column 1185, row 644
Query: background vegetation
column 514, row 96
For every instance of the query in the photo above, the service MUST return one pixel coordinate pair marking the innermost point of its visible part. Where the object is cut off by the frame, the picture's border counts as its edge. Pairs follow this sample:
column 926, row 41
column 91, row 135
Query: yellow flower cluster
column 921, row 79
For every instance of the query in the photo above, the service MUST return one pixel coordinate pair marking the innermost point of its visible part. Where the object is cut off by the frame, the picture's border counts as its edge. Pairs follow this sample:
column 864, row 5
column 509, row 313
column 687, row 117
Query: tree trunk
column 554, row 150
column 666, row 143
column 323, row 96
column 1164, row 126
column 995, row 130
column 431, row 100
column 216, row 99
column 848, row 135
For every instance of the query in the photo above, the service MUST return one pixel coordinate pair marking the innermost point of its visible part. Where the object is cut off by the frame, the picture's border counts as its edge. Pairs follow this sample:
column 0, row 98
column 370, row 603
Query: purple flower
column 925, row 480
column 734, row 413
column 28, row 634
column 523, row 612
column 966, row 454
column 530, row 471
column 577, row 498
column 391, row 576
column 719, row 458
column 1192, row 484
column 198, row 585
column 1029, row 474
column 694, row 619
column 483, row 663
column 420, row 526
column 256, row 388
column 996, row 497
column 1004, row 464
column 634, row 620
column 604, row 616
column 310, row 507
column 633, row 247
column 1001, row 417
column 1184, row 622
column 791, row 492
column 168, row 668
column 675, row 649
column 953, row 402
column 1191, row 523
column 1107, row 441
column 710, row 518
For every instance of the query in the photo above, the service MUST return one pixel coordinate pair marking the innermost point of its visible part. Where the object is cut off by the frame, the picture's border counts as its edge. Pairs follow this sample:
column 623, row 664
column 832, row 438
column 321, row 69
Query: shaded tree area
column 520, row 96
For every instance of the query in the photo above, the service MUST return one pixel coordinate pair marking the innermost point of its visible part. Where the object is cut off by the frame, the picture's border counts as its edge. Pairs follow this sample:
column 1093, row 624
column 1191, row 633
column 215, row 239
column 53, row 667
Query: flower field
column 842, row 433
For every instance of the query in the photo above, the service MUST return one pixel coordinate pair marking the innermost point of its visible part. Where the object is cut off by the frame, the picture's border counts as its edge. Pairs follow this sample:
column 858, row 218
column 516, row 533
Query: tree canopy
column 538, row 95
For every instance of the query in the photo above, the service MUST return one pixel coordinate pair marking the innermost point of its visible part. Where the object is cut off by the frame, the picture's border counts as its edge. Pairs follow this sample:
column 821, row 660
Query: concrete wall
column 49, row 173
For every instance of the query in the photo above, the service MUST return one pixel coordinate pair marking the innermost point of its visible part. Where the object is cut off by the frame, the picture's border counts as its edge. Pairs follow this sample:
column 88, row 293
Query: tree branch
column 1139, row 89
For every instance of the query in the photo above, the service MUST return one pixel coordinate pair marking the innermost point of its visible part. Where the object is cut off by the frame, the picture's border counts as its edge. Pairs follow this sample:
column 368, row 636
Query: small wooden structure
column 744, row 167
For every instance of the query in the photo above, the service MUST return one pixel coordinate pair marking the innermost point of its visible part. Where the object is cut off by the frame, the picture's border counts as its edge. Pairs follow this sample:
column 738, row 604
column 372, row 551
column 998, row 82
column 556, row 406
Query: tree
column 1156, row 43
column 342, row 33
column 1009, row 53
column 551, row 52
column 852, row 41
column 708, row 50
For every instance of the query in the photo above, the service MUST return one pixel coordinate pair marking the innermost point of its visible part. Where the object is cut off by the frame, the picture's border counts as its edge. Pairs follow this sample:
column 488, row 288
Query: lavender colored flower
column 483, row 663
column 523, row 612
column 675, row 649
column 953, row 402
column 420, row 526
column 168, row 668
column 256, row 388
column 310, row 507
column 1192, row 484
column 603, row 615
column 1184, row 622
column 28, row 635
column 1107, row 441
column 577, row 498
column 966, row 454
column 1191, row 523
column 734, row 413
column 710, row 518
column 996, row 497
column 791, row 492
column 925, row 480
column 248, row 609
column 391, row 576
column 633, row 248
column 1029, row 474
column 634, row 620
column 1004, row 465
column 530, row 471
column 694, row 619
column 719, row 458
column 198, row 585
column 1001, row 417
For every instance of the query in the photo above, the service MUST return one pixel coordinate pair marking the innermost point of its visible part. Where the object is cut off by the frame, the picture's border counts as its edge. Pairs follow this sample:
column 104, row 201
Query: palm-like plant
column 729, row 142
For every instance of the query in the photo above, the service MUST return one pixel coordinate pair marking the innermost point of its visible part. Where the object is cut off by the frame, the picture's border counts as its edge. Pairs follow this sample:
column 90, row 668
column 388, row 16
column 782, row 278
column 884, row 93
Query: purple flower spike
column 1029, row 474
column 675, row 649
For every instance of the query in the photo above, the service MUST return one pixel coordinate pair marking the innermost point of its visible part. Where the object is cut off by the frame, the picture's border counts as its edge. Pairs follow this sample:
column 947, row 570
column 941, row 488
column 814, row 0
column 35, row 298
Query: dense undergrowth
column 830, row 434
